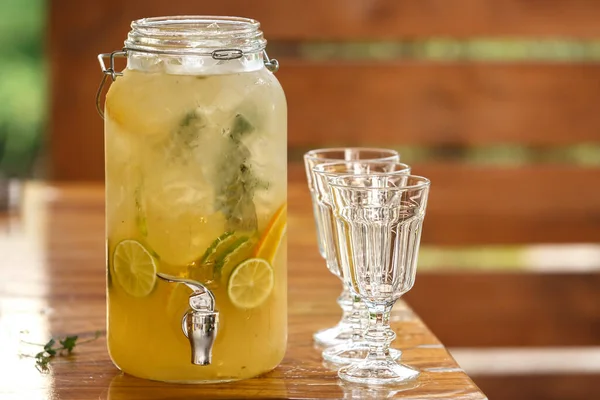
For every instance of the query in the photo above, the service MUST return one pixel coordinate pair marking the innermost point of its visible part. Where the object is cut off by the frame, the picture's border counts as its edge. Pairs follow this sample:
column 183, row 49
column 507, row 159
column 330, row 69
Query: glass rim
column 317, row 169
column 423, row 184
column 312, row 154
column 194, row 35
column 239, row 24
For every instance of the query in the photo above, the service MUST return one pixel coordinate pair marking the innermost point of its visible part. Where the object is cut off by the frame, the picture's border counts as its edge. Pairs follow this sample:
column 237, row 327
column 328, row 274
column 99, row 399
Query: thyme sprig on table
column 59, row 347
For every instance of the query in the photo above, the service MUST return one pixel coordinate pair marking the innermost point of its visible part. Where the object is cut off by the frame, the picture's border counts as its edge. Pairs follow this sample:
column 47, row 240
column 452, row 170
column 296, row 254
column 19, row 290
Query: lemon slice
column 269, row 243
column 134, row 267
column 250, row 283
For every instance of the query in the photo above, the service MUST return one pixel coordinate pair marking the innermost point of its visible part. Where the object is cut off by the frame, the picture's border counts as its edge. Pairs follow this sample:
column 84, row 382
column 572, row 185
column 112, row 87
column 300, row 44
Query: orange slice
column 269, row 243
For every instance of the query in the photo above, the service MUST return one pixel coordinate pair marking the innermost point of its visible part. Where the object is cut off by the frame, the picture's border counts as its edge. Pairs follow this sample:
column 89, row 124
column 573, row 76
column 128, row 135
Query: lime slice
column 212, row 249
column 221, row 257
column 250, row 283
column 231, row 257
column 134, row 267
column 230, row 251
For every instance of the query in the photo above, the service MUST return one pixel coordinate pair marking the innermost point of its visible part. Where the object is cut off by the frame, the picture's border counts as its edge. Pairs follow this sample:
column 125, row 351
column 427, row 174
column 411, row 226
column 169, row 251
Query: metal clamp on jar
column 201, row 322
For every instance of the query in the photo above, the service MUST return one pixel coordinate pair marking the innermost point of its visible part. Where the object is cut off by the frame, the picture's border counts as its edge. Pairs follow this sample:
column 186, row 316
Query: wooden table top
column 52, row 265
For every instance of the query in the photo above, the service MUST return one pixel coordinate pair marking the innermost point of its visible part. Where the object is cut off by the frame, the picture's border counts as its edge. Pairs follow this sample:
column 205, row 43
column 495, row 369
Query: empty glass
column 343, row 330
column 378, row 230
column 356, row 348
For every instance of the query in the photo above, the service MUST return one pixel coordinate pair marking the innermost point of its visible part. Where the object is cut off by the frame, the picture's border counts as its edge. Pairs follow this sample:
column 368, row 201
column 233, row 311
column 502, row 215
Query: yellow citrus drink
column 196, row 189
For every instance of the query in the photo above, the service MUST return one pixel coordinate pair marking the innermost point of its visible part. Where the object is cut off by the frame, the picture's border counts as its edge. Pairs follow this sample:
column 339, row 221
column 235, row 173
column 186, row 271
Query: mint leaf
column 49, row 345
column 240, row 127
column 235, row 194
column 69, row 343
column 43, row 358
column 189, row 129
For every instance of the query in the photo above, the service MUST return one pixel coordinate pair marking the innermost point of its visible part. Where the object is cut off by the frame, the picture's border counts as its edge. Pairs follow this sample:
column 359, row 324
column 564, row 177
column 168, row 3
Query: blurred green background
column 23, row 85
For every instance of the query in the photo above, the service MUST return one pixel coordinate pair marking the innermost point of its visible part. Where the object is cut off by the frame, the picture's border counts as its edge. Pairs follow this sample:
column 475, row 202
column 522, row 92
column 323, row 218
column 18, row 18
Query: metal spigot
column 200, row 323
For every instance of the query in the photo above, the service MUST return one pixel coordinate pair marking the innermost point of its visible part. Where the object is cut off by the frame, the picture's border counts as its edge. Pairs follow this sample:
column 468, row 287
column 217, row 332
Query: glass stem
column 357, row 318
column 379, row 335
column 345, row 302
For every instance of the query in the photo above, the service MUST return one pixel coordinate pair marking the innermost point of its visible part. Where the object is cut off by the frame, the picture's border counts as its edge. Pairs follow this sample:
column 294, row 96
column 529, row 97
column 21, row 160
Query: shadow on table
column 125, row 387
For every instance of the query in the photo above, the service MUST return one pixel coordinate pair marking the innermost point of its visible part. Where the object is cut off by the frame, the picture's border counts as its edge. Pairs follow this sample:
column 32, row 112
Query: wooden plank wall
column 435, row 104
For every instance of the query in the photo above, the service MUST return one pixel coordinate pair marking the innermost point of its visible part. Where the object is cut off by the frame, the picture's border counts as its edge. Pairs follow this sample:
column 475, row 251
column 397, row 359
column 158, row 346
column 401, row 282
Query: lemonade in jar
column 196, row 215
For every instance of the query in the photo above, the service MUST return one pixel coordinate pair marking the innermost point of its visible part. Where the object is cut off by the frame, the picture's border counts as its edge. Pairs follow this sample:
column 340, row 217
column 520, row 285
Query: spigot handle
column 201, row 298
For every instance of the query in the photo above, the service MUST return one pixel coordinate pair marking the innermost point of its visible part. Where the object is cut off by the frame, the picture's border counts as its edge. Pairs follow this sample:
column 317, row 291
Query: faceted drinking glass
column 343, row 330
column 356, row 348
column 379, row 220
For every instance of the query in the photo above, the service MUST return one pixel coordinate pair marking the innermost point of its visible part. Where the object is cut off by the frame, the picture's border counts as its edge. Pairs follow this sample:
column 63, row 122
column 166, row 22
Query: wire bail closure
column 271, row 63
column 110, row 71
column 221, row 54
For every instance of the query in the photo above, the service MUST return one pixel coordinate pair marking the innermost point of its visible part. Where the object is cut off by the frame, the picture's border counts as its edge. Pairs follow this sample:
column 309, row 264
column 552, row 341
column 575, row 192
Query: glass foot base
column 376, row 372
column 352, row 353
column 337, row 335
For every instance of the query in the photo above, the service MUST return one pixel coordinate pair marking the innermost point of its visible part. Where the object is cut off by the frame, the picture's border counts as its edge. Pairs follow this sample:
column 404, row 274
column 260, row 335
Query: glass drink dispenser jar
column 196, row 212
